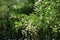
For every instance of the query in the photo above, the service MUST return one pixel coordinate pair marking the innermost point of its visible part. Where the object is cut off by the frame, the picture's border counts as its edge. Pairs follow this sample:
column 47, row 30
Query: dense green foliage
column 31, row 19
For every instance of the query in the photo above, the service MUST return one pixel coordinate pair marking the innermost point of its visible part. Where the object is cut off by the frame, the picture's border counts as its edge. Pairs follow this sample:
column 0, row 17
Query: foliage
column 31, row 19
